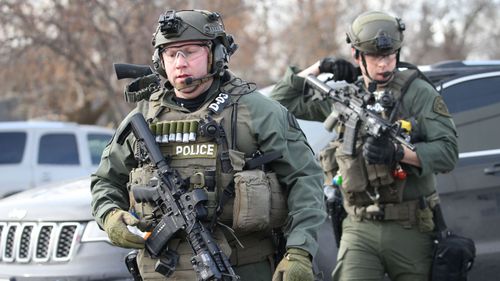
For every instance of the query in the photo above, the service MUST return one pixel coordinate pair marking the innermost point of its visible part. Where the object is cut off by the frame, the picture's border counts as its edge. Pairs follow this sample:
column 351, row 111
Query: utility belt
column 407, row 213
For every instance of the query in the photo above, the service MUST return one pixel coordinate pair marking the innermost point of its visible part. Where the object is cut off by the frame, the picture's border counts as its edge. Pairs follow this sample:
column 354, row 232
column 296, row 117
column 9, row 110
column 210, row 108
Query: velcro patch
column 440, row 107
column 188, row 151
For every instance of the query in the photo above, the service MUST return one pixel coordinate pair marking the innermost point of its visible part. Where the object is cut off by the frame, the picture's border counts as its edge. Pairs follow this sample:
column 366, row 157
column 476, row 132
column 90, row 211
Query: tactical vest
column 201, row 147
column 362, row 182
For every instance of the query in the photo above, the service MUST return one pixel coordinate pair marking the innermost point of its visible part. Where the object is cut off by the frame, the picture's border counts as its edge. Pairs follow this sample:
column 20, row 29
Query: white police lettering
column 219, row 100
column 195, row 150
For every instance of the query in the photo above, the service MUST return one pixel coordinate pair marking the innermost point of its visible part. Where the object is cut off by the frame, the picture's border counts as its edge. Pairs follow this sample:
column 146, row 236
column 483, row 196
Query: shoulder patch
column 440, row 107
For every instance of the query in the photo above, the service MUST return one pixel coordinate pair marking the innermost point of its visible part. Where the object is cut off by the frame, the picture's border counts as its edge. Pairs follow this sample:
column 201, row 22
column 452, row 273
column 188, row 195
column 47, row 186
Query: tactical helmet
column 186, row 25
column 376, row 32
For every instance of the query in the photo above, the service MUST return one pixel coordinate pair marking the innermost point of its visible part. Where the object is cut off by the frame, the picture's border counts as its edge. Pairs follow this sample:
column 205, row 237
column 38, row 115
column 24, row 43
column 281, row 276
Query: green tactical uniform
column 261, row 125
column 399, row 243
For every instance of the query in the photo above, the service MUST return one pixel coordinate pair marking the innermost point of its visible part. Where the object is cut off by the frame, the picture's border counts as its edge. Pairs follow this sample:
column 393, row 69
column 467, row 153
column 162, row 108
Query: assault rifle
column 146, row 81
column 180, row 210
column 352, row 111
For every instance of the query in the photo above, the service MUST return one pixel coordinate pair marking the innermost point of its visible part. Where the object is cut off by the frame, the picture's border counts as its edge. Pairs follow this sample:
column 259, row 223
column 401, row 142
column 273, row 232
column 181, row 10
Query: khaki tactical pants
column 369, row 249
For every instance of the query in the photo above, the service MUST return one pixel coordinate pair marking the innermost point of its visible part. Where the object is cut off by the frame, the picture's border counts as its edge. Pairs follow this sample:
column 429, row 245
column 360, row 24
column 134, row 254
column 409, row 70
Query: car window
column 97, row 143
column 465, row 96
column 474, row 105
column 12, row 144
column 58, row 149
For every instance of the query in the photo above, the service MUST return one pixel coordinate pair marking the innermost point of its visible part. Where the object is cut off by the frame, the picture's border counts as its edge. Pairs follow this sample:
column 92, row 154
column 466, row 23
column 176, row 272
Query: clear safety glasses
column 190, row 52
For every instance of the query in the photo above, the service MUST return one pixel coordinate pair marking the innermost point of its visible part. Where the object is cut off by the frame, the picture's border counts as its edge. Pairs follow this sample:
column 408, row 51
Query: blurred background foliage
column 56, row 56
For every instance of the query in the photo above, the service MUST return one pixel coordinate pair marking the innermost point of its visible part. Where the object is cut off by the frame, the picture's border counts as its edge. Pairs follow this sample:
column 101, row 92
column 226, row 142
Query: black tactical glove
column 340, row 68
column 382, row 151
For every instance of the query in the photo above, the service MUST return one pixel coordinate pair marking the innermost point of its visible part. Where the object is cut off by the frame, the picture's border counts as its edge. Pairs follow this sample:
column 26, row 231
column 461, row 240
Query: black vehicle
column 470, row 196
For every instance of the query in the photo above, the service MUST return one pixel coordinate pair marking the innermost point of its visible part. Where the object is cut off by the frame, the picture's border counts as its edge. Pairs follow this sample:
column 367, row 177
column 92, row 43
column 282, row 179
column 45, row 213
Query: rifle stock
column 128, row 70
column 181, row 211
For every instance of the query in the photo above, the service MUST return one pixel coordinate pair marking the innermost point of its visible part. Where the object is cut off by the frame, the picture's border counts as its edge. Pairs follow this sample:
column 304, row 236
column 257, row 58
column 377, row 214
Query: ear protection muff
column 222, row 51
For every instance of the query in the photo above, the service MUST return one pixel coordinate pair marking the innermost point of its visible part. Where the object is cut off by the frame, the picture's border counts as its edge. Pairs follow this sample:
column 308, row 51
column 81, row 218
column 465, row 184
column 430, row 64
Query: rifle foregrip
column 145, row 194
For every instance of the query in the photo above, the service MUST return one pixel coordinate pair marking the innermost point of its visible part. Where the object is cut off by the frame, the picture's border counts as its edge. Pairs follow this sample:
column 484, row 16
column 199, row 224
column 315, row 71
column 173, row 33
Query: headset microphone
column 190, row 80
column 387, row 74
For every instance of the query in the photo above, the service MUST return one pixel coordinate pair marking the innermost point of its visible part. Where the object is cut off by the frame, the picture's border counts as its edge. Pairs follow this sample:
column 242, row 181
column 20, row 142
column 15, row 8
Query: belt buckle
column 375, row 212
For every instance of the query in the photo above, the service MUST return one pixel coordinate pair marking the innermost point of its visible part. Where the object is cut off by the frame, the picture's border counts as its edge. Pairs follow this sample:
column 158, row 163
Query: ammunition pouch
column 328, row 162
column 353, row 171
column 140, row 177
column 259, row 202
column 360, row 179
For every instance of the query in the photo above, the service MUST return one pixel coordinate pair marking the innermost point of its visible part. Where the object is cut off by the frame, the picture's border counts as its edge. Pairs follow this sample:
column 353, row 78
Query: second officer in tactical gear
column 389, row 190
column 247, row 152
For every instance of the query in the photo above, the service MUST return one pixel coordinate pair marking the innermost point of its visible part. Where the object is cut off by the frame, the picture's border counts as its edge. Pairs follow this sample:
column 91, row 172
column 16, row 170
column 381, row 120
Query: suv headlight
column 93, row 233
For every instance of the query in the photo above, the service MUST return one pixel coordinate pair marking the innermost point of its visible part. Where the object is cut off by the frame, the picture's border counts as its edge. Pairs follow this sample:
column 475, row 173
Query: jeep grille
column 37, row 242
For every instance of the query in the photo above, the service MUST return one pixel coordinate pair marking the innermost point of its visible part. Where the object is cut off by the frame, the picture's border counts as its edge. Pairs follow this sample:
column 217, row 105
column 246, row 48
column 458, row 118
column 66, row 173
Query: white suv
column 39, row 152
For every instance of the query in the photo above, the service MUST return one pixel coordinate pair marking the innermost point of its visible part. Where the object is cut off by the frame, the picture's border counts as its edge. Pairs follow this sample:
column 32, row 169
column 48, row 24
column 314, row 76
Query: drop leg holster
column 133, row 268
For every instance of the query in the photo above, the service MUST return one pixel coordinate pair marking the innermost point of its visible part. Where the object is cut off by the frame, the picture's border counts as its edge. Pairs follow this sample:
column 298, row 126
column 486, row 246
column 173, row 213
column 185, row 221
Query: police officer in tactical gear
column 265, row 208
column 389, row 190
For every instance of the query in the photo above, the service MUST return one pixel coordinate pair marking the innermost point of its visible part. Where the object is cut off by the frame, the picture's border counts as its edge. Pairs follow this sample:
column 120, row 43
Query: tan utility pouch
column 279, row 208
column 328, row 162
column 379, row 175
column 253, row 202
column 140, row 177
column 352, row 169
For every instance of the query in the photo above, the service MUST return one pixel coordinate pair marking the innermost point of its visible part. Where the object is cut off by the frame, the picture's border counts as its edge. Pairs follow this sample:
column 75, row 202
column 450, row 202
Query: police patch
column 440, row 107
column 198, row 150
column 219, row 103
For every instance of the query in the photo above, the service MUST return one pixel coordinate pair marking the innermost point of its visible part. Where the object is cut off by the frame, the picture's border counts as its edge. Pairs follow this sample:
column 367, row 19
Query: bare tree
column 65, row 54
column 56, row 56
